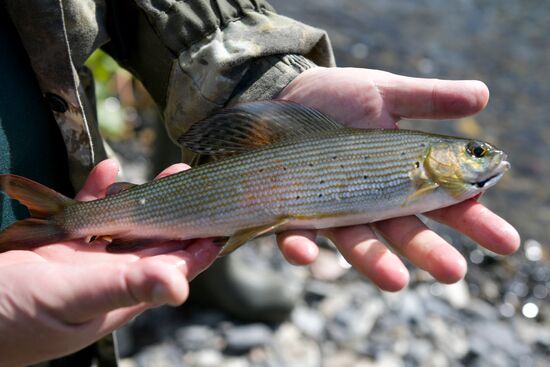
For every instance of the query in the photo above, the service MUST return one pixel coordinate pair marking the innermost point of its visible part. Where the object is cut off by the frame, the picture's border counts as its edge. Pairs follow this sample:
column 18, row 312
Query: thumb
column 97, row 289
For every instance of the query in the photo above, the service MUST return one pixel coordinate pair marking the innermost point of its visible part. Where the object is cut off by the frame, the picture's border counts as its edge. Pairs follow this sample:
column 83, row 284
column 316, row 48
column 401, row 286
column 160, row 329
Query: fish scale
column 277, row 166
column 291, row 188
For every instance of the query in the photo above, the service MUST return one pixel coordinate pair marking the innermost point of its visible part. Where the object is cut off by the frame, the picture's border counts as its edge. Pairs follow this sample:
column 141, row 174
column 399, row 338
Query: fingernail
column 182, row 264
column 312, row 250
column 161, row 295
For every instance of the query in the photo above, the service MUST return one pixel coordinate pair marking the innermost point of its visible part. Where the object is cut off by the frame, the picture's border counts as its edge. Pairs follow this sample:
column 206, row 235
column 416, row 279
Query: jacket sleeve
column 197, row 56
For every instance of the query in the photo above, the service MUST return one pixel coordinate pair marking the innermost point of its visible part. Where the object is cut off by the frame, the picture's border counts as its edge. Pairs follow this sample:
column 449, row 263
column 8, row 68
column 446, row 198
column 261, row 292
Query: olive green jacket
column 193, row 57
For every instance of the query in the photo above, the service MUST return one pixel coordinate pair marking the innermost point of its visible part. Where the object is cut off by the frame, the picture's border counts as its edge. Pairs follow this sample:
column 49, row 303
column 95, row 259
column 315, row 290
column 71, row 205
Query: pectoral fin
column 422, row 190
column 244, row 235
column 125, row 245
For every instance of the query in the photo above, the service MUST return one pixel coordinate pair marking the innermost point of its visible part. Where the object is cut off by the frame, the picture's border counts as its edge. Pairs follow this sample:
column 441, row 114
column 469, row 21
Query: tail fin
column 43, row 203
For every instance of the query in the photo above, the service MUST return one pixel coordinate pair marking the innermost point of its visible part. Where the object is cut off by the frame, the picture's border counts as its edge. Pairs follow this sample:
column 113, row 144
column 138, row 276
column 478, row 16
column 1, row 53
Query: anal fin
column 242, row 236
column 124, row 245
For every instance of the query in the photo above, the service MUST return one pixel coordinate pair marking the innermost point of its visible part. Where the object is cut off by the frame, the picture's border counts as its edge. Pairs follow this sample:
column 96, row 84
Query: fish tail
column 43, row 204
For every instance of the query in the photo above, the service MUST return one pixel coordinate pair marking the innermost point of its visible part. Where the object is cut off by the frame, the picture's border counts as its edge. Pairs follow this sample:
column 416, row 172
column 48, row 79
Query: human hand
column 372, row 98
column 61, row 297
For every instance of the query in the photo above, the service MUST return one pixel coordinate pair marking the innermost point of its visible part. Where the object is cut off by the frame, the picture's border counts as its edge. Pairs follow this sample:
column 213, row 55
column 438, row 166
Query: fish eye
column 476, row 149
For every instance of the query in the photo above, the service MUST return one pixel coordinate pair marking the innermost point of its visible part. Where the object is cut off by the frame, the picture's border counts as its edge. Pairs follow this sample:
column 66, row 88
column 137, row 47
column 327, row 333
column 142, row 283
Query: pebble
column 195, row 337
column 507, row 310
column 456, row 294
column 204, row 358
column 352, row 322
column 533, row 250
column 242, row 338
column 295, row 350
column 310, row 321
column 477, row 256
column 161, row 355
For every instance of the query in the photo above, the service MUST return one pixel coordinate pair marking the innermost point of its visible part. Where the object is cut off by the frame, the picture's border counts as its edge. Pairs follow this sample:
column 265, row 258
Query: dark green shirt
column 30, row 142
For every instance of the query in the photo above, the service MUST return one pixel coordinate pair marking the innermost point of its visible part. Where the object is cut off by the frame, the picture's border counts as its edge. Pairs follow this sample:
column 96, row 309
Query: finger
column 362, row 249
column 298, row 247
column 423, row 247
column 111, row 321
column 162, row 279
column 101, row 176
column 407, row 97
column 97, row 289
column 175, row 168
column 197, row 256
column 481, row 225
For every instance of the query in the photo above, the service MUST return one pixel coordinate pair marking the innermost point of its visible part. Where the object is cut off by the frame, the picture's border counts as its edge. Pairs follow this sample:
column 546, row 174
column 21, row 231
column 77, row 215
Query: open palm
column 371, row 98
column 62, row 297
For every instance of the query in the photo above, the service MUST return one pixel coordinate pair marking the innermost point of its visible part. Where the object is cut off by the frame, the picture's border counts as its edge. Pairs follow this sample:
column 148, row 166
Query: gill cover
column 443, row 167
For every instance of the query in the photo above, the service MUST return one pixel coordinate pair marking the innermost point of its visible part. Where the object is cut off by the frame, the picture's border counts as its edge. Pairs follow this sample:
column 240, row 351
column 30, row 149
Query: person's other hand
column 61, row 297
column 372, row 98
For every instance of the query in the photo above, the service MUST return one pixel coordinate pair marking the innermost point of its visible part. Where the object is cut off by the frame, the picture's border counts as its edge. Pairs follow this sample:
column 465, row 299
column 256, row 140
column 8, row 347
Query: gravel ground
column 499, row 315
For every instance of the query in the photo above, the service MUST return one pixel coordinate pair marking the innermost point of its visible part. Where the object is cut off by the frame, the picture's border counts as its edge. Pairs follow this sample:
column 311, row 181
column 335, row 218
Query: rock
column 211, row 318
column 496, row 343
column 389, row 360
column 160, row 355
column 410, row 308
column 354, row 321
column 235, row 362
column 292, row 349
column 419, row 352
column 456, row 294
column 204, row 358
column 125, row 341
column 127, row 362
column 195, row 337
column 315, row 291
column 481, row 310
column 533, row 250
column 242, row 338
column 340, row 358
column 310, row 321
column 450, row 339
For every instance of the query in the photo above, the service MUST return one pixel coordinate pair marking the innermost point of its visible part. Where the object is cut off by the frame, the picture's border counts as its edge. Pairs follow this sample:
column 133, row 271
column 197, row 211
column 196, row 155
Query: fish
column 275, row 166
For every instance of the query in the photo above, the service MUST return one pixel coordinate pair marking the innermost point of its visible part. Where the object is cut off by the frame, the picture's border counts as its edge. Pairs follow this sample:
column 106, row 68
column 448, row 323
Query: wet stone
column 161, row 355
column 204, row 358
column 197, row 337
column 295, row 350
column 310, row 321
column 242, row 338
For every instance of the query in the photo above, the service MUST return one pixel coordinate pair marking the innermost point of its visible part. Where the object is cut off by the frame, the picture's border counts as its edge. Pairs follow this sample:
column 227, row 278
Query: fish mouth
column 493, row 179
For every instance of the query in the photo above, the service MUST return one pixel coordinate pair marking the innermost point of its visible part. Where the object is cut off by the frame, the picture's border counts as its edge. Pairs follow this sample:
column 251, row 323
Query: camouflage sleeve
column 196, row 56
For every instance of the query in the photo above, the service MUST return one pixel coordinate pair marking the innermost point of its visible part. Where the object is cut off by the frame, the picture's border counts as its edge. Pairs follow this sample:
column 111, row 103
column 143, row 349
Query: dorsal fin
column 252, row 125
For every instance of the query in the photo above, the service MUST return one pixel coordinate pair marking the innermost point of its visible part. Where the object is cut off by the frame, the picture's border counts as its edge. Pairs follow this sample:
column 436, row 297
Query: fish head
column 465, row 168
